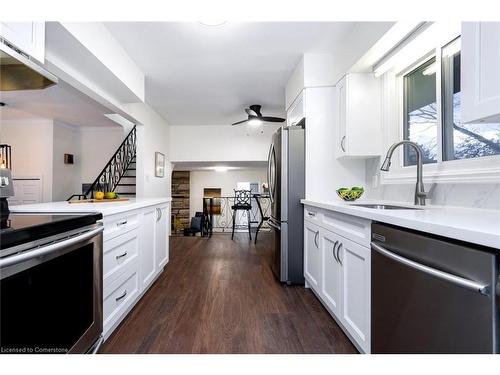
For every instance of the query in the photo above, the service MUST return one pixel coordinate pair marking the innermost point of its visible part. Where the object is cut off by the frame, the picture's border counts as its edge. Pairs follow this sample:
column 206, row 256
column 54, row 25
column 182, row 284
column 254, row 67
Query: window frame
column 484, row 169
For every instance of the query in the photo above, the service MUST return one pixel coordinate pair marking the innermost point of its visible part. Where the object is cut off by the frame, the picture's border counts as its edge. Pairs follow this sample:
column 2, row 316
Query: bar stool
column 242, row 202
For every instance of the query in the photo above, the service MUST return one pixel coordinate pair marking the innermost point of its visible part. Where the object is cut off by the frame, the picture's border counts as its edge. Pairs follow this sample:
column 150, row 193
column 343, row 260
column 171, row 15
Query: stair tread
column 120, row 184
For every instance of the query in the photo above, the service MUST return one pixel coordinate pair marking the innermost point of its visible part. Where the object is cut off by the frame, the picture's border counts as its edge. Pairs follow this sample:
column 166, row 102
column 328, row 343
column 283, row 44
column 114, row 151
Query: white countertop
column 477, row 226
column 105, row 208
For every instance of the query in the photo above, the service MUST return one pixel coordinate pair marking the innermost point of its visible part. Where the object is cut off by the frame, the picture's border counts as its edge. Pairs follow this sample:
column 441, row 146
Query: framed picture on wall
column 159, row 164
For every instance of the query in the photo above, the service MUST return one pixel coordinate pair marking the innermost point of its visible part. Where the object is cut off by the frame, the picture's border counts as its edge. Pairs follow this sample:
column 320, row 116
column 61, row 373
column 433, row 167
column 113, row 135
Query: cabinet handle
column 342, row 144
column 121, row 223
column 334, row 248
column 338, row 254
column 121, row 255
column 161, row 214
column 311, row 214
column 316, row 239
column 122, row 296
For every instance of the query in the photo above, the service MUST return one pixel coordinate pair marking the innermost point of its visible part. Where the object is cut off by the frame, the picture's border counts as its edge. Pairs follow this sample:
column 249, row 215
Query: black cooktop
column 22, row 228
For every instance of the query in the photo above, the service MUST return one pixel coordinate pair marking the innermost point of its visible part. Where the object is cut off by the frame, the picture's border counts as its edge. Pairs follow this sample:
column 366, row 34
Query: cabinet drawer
column 312, row 214
column 352, row 227
column 117, row 225
column 118, row 253
column 120, row 295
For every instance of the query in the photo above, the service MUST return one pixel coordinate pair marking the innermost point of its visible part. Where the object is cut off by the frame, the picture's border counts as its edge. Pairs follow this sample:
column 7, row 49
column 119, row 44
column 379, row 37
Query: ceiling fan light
column 254, row 122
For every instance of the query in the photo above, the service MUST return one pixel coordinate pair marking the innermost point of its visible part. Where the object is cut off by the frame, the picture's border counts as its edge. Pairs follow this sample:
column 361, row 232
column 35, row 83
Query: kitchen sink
column 385, row 206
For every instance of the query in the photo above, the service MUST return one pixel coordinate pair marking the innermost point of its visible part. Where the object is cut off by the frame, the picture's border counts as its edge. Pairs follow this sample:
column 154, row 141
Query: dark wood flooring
column 220, row 296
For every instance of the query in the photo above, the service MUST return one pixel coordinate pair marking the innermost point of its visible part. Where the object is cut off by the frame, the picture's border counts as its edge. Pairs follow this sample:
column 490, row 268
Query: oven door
column 51, row 296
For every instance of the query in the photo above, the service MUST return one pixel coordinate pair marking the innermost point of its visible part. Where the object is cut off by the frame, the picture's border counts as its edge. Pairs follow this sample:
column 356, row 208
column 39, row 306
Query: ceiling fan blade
column 251, row 112
column 240, row 122
column 271, row 119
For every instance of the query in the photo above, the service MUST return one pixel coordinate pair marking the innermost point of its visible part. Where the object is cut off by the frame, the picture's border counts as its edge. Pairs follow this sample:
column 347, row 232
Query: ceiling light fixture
column 254, row 122
column 212, row 22
column 220, row 169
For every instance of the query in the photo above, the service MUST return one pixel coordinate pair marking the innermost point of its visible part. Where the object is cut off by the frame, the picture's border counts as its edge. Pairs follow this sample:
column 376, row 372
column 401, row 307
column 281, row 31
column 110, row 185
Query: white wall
column 32, row 150
column 97, row 146
column 152, row 135
column 66, row 177
column 226, row 181
column 220, row 142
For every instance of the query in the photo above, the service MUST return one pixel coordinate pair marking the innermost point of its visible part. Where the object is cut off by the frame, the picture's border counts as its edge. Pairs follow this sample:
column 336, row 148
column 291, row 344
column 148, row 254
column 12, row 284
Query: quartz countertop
column 105, row 208
column 477, row 226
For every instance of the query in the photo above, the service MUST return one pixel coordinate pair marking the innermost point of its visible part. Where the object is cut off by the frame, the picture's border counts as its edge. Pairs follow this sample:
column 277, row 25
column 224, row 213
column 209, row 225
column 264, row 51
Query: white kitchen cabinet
column 296, row 112
column 356, row 293
column 162, row 229
column 312, row 255
column 480, row 72
column 340, row 272
column 29, row 37
column 358, row 108
column 331, row 283
column 148, row 243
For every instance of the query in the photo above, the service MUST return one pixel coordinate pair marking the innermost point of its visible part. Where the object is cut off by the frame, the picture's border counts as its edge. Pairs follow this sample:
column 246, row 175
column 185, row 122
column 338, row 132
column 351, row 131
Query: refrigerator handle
column 271, row 193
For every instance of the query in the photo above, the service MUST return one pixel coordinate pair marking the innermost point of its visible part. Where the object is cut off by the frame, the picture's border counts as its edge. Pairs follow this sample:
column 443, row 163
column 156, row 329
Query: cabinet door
column 341, row 88
column 356, row 294
column 296, row 111
column 27, row 36
column 162, row 225
column 312, row 255
column 147, row 246
column 331, row 272
column 480, row 72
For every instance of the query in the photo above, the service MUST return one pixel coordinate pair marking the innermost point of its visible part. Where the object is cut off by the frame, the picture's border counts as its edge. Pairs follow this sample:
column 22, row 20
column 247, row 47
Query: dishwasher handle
column 454, row 279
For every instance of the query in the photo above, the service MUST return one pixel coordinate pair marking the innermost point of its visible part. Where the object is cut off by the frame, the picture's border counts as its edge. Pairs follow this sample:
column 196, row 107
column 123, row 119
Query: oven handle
column 22, row 257
column 454, row 279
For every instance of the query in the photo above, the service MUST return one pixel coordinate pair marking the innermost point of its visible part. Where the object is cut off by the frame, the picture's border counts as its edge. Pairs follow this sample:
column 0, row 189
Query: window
column 426, row 119
column 462, row 141
column 420, row 107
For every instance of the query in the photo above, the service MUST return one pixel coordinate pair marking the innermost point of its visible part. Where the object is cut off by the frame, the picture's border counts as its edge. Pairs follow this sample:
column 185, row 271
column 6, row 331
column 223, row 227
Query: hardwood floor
column 220, row 296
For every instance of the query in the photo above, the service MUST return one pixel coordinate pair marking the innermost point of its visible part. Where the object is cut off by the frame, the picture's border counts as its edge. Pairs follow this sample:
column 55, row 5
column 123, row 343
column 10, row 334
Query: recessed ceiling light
column 212, row 22
column 220, row 169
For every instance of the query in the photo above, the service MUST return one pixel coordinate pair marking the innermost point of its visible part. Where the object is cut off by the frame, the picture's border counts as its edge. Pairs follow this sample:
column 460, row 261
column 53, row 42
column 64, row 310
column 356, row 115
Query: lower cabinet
column 135, row 252
column 338, row 269
column 312, row 255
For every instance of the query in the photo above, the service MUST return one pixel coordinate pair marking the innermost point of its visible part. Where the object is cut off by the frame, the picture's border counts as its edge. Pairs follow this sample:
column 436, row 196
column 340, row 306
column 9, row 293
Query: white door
column 312, row 255
column 331, row 285
column 162, row 224
column 480, row 72
column 147, row 246
column 356, row 293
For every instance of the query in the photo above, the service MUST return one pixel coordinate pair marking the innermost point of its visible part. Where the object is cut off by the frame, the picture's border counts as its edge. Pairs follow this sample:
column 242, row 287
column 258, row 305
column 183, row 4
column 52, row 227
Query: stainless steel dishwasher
column 432, row 295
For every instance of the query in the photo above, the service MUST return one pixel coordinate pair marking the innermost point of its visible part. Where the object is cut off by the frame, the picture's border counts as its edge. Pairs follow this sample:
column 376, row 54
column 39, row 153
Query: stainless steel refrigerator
column 286, row 174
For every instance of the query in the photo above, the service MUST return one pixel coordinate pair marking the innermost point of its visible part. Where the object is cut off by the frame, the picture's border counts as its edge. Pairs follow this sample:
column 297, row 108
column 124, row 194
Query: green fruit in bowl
column 350, row 194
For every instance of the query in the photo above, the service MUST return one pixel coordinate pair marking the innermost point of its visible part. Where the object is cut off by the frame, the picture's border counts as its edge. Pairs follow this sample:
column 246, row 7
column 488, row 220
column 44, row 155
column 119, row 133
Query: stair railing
column 114, row 170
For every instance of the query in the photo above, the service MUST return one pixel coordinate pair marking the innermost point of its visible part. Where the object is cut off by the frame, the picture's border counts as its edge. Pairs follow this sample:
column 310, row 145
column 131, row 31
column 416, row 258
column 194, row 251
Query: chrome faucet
column 420, row 193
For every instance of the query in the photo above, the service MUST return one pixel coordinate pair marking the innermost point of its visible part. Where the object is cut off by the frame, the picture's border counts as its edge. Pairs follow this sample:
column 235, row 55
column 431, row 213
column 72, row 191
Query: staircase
column 126, row 186
column 119, row 174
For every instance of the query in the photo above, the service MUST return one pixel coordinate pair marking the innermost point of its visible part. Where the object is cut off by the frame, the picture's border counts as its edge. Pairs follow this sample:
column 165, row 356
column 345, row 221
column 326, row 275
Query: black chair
column 196, row 226
column 242, row 202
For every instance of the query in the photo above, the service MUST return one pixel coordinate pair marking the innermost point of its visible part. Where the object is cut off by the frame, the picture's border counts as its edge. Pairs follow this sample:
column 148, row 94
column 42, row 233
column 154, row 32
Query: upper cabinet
column 480, row 73
column 296, row 112
column 358, row 107
column 29, row 37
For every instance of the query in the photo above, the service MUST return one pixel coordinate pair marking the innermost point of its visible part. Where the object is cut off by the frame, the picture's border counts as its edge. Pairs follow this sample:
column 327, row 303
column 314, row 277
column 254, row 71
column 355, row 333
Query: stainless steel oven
column 51, row 294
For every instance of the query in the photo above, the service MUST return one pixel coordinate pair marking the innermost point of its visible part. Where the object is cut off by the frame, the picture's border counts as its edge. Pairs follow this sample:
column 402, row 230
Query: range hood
column 19, row 72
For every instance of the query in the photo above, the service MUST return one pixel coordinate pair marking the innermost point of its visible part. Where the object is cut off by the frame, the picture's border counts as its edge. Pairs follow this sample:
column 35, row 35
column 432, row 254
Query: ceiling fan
column 255, row 116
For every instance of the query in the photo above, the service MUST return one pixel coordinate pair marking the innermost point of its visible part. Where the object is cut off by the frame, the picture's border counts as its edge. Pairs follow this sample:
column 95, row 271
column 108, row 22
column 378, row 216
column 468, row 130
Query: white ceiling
column 60, row 102
column 197, row 74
